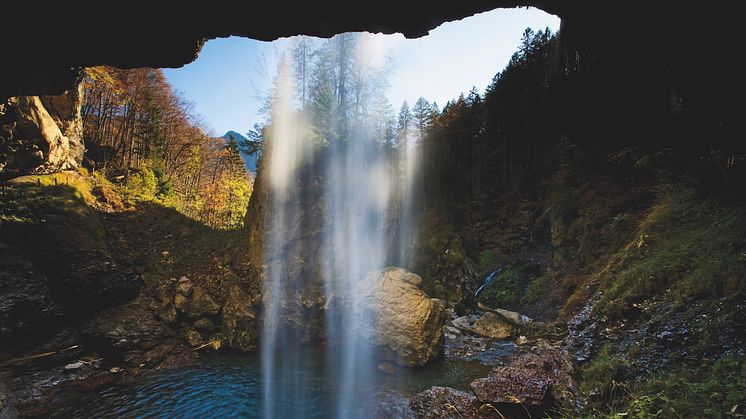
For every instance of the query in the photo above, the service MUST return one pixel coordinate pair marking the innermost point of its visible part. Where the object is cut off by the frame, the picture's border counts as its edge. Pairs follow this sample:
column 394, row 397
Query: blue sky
column 230, row 76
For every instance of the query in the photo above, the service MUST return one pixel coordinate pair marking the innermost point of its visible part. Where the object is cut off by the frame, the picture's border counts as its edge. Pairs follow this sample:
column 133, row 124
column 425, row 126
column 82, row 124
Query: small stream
column 231, row 386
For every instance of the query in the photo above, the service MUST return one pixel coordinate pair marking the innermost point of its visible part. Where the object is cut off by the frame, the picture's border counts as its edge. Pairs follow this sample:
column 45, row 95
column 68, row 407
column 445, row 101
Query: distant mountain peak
column 236, row 135
column 250, row 161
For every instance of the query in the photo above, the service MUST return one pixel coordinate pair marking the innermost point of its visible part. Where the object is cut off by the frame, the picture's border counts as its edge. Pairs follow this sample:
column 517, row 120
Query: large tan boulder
column 41, row 134
column 399, row 318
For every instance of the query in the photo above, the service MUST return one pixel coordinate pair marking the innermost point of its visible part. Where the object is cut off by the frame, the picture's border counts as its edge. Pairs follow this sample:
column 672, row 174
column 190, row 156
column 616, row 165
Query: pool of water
column 231, row 386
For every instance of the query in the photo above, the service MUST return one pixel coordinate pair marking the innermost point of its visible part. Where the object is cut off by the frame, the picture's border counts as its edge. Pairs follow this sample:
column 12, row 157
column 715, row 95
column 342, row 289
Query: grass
column 33, row 211
column 689, row 251
column 693, row 246
column 600, row 378
column 84, row 214
column 711, row 391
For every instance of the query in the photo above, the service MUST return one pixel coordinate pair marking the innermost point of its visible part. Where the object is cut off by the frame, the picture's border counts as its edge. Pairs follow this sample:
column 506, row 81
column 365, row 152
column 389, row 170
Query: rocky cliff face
column 41, row 134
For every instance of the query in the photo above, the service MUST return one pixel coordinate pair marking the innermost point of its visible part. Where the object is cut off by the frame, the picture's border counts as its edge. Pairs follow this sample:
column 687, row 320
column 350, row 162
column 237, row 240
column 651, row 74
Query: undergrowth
column 690, row 246
column 717, row 390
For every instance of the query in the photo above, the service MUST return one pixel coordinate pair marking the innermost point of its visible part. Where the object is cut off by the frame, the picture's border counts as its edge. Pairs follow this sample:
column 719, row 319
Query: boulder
column 201, row 304
column 184, row 286
column 531, row 383
column 517, row 319
column 399, row 318
column 181, row 302
column 492, row 326
column 465, row 323
column 41, row 134
column 239, row 323
column 447, row 403
column 511, row 387
column 167, row 313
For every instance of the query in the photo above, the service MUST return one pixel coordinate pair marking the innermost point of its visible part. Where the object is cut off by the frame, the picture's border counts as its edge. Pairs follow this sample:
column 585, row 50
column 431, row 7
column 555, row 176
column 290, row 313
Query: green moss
column 505, row 291
column 486, row 261
column 538, row 290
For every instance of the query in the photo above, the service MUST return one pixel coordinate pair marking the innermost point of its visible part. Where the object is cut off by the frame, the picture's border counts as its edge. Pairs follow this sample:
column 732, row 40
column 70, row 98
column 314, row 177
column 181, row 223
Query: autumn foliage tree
column 140, row 132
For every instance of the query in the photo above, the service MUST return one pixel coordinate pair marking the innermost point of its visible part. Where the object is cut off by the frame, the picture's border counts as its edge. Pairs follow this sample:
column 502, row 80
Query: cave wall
column 641, row 43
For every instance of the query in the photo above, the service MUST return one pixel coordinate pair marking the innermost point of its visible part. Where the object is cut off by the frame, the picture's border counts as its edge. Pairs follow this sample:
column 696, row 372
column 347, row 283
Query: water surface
column 231, row 386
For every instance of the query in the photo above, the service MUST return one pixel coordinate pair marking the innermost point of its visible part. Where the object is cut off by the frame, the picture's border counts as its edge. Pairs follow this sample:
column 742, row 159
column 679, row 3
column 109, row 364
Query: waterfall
column 332, row 201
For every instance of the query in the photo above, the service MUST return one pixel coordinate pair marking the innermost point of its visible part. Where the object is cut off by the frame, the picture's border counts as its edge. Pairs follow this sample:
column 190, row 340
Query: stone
column 181, row 302
column 167, row 313
column 399, row 318
column 41, row 134
column 465, row 323
column 204, row 325
column 510, row 388
column 239, row 323
column 193, row 337
column 451, row 331
column 184, row 286
column 201, row 304
column 531, row 382
column 492, row 326
column 7, row 410
column 74, row 365
column 445, row 402
column 521, row 340
column 517, row 319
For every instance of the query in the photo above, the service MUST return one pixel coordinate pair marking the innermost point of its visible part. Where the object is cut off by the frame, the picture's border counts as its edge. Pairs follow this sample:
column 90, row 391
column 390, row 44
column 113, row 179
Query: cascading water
column 334, row 194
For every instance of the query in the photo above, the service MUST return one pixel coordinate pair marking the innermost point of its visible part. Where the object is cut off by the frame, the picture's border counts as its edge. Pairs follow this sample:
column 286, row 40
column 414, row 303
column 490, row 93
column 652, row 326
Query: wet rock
column 74, row 365
column 7, row 410
column 201, row 304
column 388, row 403
column 532, row 382
column 134, row 334
column 399, row 318
column 451, row 332
column 445, row 402
column 239, row 325
column 509, row 387
column 493, row 326
column 204, row 325
column 167, row 313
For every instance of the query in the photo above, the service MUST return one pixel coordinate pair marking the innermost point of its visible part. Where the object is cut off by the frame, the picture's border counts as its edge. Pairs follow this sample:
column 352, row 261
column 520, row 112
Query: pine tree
column 423, row 118
column 403, row 126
